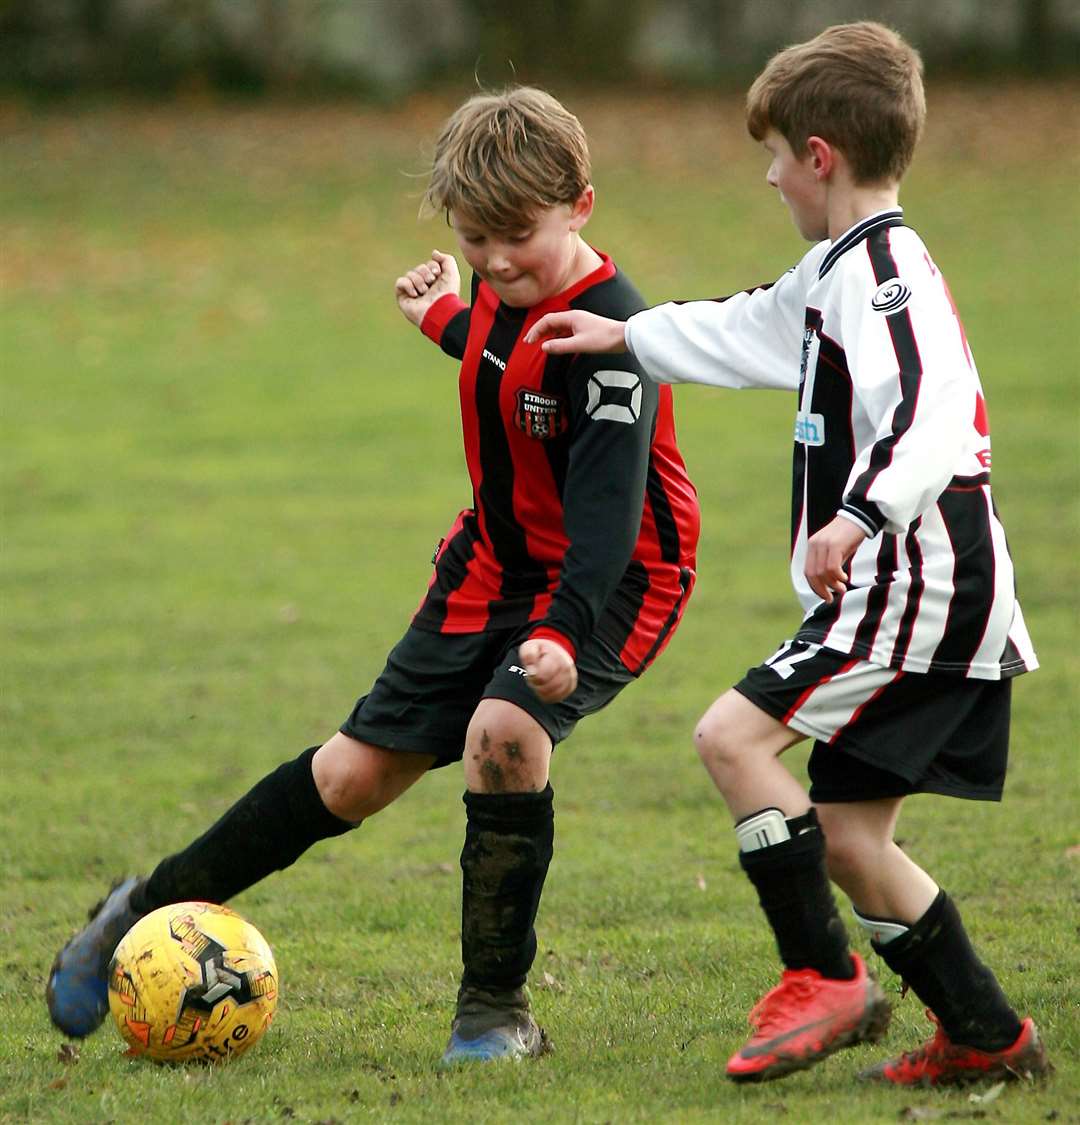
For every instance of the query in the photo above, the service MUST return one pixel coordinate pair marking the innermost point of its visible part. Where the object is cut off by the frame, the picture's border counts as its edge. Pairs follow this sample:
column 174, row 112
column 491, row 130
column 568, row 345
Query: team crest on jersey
column 804, row 362
column 890, row 296
column 540, row 415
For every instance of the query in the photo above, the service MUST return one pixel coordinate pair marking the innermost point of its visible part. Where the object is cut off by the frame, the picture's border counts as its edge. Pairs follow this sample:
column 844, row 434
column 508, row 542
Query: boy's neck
column 848, row 204
column 584, row 259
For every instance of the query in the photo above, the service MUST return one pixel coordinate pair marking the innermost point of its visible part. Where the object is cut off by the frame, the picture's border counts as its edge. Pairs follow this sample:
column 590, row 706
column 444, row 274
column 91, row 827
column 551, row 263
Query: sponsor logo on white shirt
column 810, row 428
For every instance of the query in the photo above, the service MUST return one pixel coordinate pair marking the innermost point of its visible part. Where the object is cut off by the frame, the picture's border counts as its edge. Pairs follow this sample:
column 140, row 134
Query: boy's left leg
column 936, row 734
column 825, row 1000
column 508, row 847
column 504, row 862
column 917, row 930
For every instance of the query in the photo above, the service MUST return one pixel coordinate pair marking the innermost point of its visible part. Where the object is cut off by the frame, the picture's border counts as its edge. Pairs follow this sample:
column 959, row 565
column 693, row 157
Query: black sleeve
column 456, row 334
column 612, row 418
column 453, row 335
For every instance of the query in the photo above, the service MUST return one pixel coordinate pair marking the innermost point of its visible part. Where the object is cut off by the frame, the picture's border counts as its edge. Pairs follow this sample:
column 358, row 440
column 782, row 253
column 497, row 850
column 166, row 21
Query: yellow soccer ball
column 192, row 982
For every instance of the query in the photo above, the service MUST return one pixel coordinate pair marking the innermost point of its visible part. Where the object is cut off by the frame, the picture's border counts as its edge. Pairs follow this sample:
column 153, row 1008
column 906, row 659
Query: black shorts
column 884, row 733
column 425, row 697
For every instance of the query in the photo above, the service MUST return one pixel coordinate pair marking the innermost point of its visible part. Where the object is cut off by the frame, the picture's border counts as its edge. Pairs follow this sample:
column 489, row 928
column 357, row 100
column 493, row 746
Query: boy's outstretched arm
column 560, row 333
column 419, row 288
column 748, row 339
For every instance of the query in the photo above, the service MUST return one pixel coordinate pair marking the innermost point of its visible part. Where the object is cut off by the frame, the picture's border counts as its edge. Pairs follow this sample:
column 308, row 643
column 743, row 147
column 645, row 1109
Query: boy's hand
column 826, row 553
column 576, row 331
column 550, row 668
column 419, row 288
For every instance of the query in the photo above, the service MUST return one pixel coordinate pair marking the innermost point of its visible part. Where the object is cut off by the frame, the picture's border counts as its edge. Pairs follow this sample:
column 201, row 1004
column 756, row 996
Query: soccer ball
column 192, row 981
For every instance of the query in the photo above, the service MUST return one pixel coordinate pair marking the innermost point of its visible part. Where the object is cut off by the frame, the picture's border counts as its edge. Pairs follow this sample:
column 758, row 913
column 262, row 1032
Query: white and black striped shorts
column 881, row 732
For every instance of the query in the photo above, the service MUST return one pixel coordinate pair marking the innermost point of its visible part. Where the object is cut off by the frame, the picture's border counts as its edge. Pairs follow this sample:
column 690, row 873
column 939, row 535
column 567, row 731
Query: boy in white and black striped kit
column 902, row 666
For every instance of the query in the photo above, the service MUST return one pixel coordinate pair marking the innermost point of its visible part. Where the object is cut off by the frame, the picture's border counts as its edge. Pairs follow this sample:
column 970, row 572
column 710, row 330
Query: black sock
column 265, row 831
column 508, row 844
column 937, row 961
column 793, row 889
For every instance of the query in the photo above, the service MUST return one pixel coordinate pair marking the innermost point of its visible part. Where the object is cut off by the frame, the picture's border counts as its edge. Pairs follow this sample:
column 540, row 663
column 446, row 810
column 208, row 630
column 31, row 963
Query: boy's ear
column 822, row 156
column 582, row 208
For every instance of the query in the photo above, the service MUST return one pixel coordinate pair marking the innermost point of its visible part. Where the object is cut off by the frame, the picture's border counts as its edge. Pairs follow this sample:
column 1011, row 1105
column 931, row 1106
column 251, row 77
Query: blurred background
column 225, row 459
column 388, row 48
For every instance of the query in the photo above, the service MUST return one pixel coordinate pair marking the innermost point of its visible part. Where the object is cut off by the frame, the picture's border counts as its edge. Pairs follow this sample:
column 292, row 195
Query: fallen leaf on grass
column 989, row 1096
column 57, row 1083
column 701, row 884
column 1073, row 852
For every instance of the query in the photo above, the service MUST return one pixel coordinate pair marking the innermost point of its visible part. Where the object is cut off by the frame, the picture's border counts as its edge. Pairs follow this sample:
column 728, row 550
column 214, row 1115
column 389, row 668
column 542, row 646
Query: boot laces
column 932, row 1052
column 774, row 1008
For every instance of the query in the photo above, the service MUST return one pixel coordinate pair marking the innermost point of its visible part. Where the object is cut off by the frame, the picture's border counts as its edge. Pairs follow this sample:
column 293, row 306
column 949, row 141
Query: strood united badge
column 540, row 415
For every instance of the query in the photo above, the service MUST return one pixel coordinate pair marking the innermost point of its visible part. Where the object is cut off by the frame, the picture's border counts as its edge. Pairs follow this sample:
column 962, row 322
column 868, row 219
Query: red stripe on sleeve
column 439, row 316
column 546, row 634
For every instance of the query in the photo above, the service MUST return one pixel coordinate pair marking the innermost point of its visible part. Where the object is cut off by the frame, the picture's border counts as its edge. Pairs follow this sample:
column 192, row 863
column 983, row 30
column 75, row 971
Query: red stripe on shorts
column 813, row 687
column 862, row 706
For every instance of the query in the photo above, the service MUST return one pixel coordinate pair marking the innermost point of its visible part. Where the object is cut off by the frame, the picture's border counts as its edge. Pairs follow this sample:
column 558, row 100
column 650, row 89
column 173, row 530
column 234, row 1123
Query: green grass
column 226, row 459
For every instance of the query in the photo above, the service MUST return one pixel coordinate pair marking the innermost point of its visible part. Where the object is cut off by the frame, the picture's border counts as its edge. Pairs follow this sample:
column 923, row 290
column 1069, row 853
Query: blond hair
column 504, row 156
column 857, row 86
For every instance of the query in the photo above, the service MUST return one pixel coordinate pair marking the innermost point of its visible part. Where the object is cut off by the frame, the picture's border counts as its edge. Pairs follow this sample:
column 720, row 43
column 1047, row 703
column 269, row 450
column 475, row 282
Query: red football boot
column 806, row 1017
column 941, row 1062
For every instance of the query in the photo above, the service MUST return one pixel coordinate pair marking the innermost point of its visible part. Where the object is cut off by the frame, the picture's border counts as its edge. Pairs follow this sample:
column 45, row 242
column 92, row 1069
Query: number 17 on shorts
column 814, row 690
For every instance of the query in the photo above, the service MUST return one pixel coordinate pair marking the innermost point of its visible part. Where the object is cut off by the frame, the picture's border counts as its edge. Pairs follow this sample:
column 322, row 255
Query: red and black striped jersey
column 583, row 519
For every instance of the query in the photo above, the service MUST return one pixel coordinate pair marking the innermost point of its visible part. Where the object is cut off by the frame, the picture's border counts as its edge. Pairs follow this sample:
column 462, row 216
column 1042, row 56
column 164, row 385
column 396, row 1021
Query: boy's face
column 801, row 188
column 528, row 265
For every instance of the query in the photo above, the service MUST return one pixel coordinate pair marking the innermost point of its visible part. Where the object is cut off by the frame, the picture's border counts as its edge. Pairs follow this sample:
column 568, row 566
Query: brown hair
column 502, row 157
column 857, row 86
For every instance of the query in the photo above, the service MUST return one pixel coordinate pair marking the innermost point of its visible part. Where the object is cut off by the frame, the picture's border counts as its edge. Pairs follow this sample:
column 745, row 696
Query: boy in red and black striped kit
column 558, row 585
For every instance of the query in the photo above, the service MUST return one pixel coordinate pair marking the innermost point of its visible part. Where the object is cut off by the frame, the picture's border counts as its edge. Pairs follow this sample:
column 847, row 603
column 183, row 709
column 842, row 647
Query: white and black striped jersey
column 891, row 432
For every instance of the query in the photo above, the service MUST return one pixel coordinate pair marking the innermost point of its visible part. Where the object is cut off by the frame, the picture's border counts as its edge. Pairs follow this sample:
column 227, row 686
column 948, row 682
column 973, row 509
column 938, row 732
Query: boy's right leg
column 825, row 999
column 324, row 792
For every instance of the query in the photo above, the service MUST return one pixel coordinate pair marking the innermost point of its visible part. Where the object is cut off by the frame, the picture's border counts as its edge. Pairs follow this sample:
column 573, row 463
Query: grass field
column 226, row 459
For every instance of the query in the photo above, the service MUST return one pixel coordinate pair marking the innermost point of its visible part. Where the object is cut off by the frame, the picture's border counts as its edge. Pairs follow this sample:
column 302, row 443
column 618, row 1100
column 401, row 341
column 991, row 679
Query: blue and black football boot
column 493, row 1025
column 78, row 988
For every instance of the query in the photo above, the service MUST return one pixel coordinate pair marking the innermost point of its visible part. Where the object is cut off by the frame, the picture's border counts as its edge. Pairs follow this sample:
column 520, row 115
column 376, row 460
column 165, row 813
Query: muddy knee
column 506, row 750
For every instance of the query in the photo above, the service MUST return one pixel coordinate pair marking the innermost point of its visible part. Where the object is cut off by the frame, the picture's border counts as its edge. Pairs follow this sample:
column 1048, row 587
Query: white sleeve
column 914, row 379
column 752, row 339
